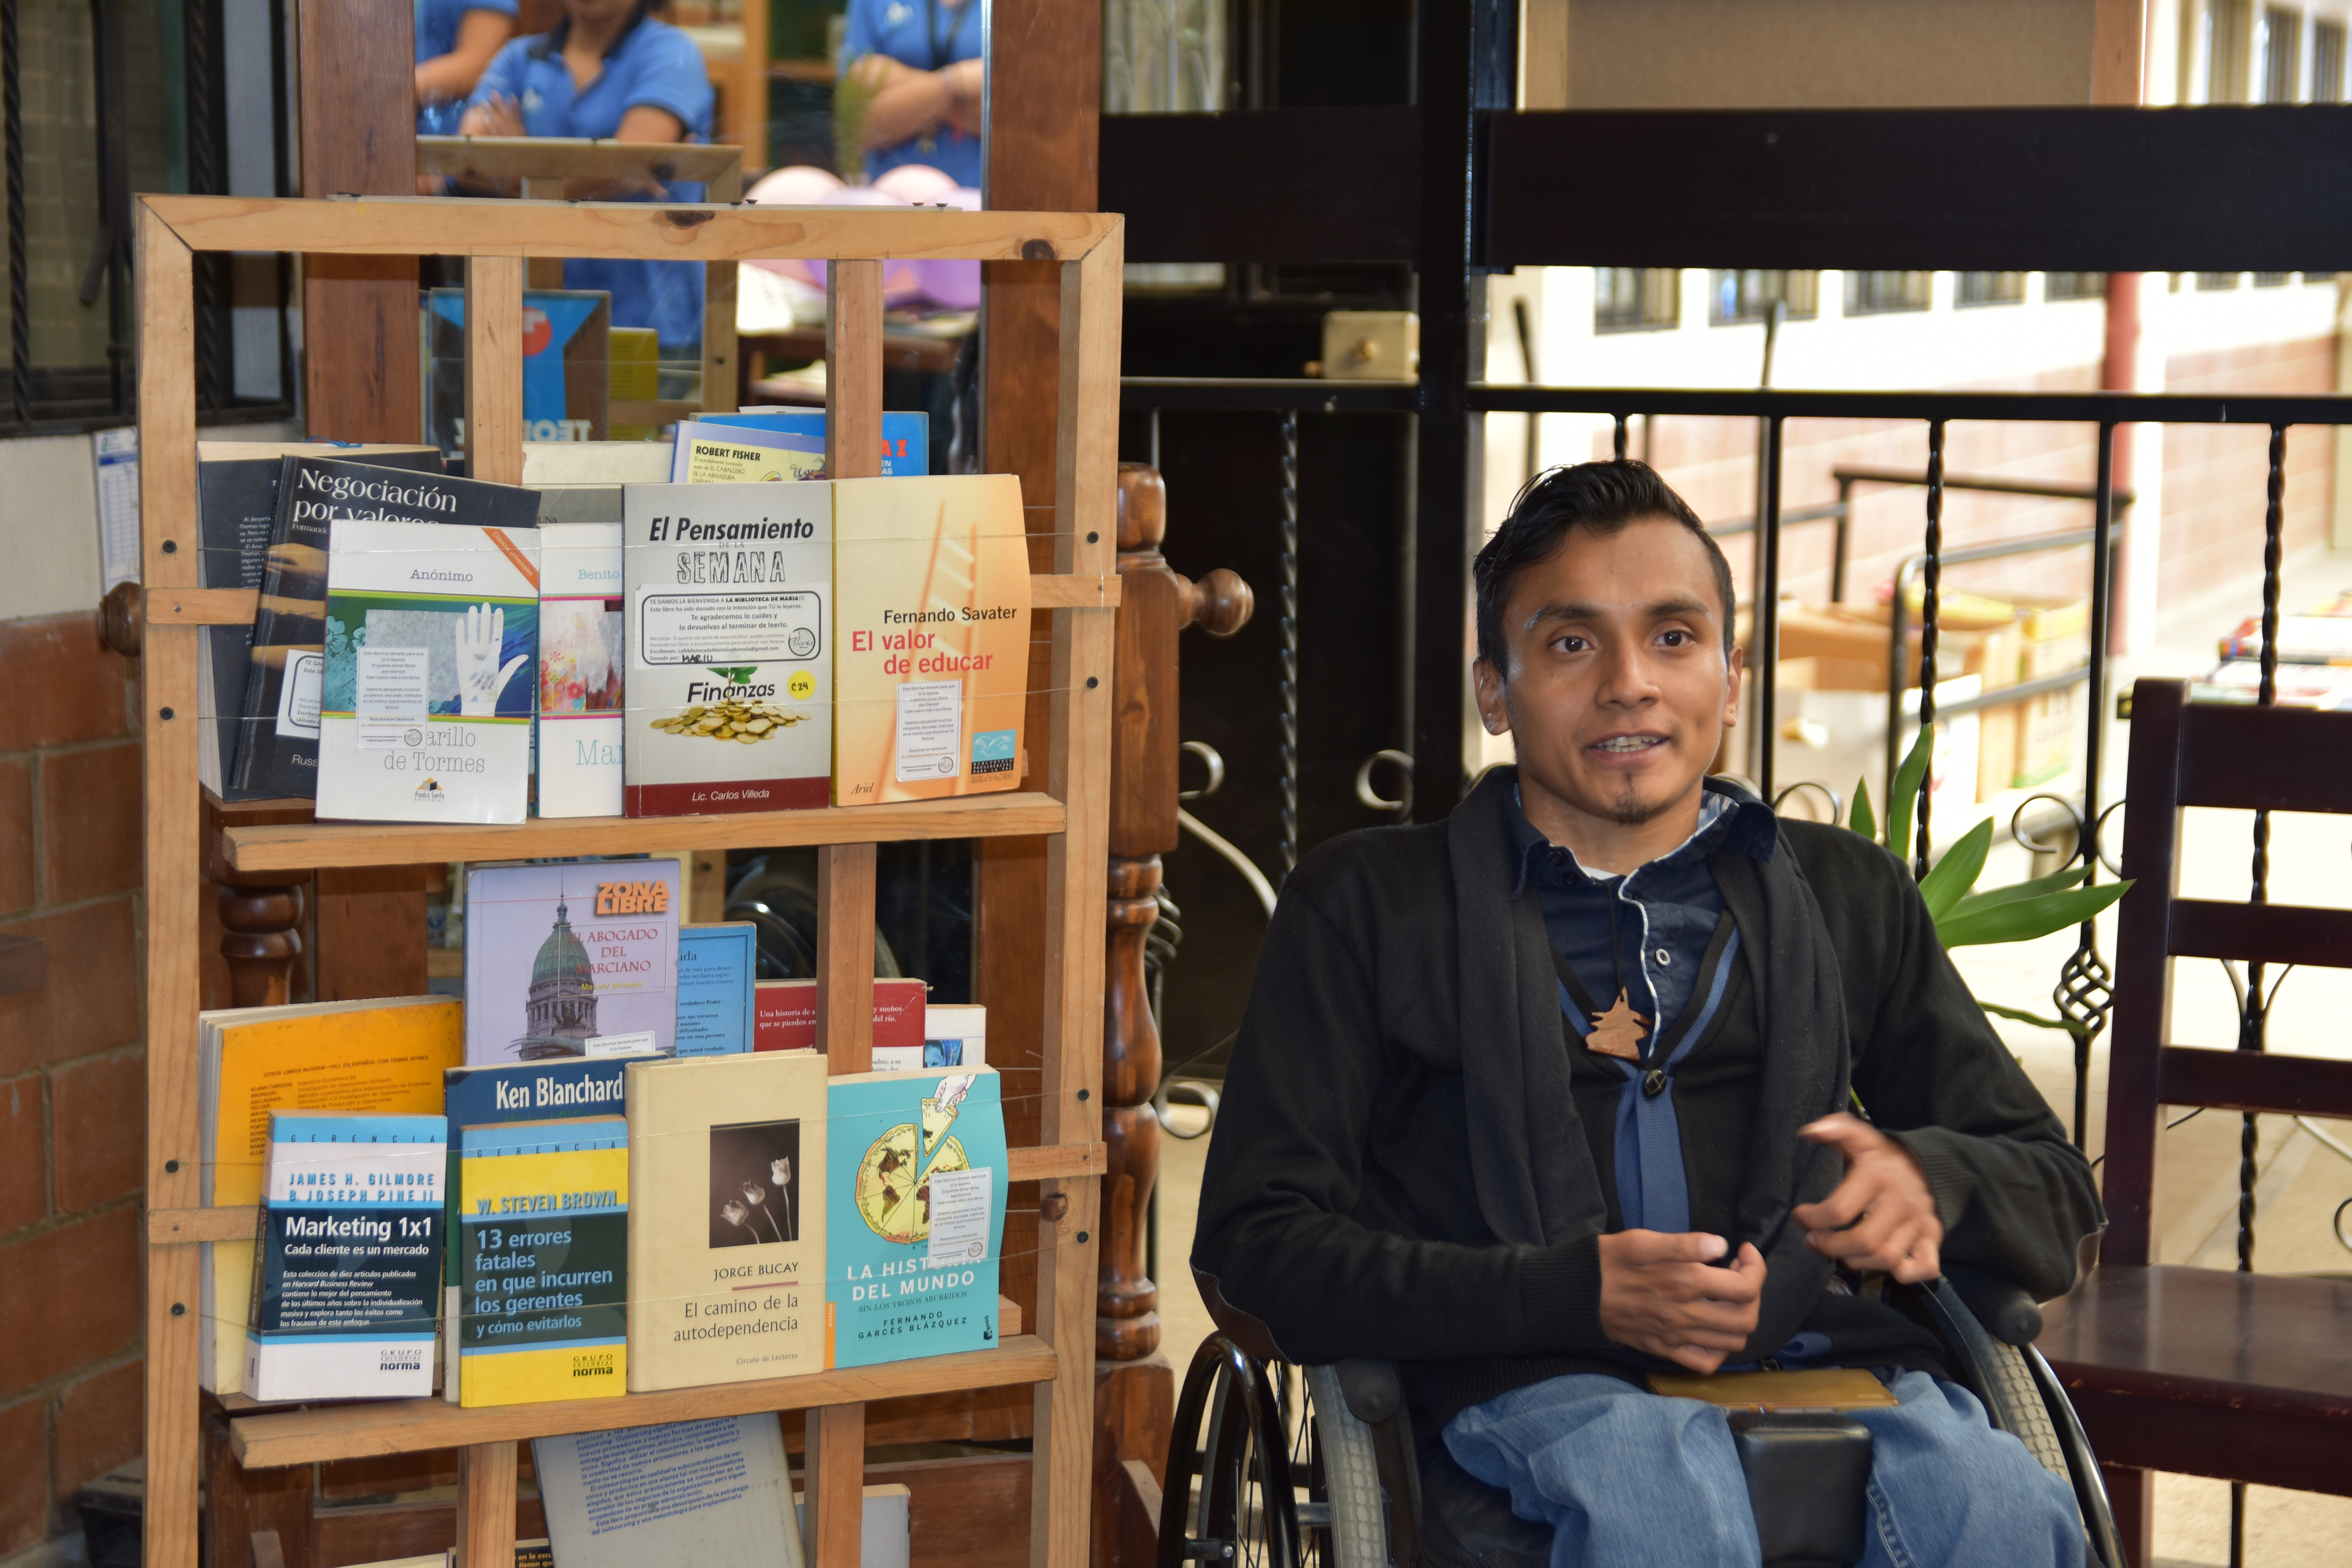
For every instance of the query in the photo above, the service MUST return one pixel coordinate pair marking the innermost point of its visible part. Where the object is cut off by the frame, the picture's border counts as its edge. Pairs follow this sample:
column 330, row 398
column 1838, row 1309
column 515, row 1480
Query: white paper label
column 931, row 728
column 298, row 695
column 640, row 1044
column 958, row 1217
column 731, row 628
column 392, row 704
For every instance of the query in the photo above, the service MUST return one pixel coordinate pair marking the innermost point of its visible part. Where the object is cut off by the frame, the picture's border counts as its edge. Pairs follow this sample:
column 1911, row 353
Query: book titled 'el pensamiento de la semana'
column 347, row 1276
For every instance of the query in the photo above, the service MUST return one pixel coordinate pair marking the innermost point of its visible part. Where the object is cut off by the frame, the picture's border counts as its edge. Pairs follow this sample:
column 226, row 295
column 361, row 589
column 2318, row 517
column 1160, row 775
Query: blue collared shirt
column 926, row 35
column 653, row 64
column 1646, row 931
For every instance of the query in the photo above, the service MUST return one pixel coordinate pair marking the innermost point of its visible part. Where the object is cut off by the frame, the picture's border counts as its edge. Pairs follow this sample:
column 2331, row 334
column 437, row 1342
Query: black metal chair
column 1321, row 1464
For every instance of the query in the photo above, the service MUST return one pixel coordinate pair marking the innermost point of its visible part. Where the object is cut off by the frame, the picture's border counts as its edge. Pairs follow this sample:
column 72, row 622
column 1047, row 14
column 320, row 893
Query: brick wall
column 73, row 1087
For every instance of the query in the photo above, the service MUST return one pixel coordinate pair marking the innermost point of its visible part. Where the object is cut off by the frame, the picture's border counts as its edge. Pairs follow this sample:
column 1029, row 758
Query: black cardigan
column 1340, row 1209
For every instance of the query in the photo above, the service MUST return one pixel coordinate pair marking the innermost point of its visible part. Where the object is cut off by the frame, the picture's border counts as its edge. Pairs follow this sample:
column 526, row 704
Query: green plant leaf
column 1948, row 881
column 2022, row 1017
column 1904, row 797
column 2022, row 919
column 2057, row 882
column 1860, row 818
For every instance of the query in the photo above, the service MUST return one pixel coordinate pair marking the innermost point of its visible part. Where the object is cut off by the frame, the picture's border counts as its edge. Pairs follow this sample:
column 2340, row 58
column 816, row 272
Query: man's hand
column 1882, row 1218
column 1660, row 1294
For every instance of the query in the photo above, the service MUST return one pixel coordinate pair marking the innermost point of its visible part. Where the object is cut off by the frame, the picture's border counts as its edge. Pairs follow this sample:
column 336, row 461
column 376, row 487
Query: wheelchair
column 1318, row 1467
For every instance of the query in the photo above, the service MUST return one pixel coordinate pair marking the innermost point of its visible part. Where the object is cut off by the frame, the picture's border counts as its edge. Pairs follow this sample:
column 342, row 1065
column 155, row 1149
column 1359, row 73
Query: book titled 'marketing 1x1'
column 432, row 646
column 731, row 657
column 347, row 1276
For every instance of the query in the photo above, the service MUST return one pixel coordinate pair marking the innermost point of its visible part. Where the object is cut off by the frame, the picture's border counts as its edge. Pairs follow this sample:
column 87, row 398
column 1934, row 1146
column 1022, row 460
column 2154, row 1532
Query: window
column 1992, row 287
column 160, row 96
column 2326, row 62
column 2273, row 279
column 2222, row 37
column 1877, row 293
column 2280, row 52
column 2073, row 285
column 1637, row 299
column 1748, row 294
column 2211, row 281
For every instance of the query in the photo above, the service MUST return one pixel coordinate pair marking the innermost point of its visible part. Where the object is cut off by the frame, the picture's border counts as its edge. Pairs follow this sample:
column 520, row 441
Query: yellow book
column 543, row 1277
column 1816, row 1388
column 727, row 1158
column 385, row 1055
column 931, row 661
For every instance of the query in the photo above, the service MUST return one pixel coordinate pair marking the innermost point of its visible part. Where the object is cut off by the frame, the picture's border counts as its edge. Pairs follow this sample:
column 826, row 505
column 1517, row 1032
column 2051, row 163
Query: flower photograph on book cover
column 754, row 1201
column 580, row 657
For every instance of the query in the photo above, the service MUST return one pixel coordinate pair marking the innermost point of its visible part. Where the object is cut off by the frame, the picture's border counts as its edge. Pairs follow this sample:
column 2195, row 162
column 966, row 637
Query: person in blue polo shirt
column 454, row 40
column 921, row 58
column 609, row 69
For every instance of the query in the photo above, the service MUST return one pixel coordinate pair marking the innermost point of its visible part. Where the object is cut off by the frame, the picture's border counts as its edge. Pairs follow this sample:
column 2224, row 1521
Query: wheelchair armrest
column 1373, row 1391
column 1807, row 1475
column 2002, row 1306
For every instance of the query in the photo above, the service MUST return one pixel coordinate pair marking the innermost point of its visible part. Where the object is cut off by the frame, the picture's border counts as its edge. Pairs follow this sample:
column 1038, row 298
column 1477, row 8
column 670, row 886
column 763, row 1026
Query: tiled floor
column 2302, row 1180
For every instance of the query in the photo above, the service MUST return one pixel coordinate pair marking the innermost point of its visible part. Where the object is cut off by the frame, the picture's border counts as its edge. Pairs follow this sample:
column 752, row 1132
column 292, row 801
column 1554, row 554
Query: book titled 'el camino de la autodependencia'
column 347, row 1276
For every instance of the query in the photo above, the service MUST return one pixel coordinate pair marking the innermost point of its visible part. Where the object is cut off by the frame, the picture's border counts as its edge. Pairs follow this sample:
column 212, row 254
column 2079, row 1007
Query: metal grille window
column 2326, row 62
column 1877, row 293
column 2281, row 53
column 2209, row 281
column 1992, row 287
column 1637, row 299
column 2222, row 37
column 2273, row 279
column 99, row 99
column 2073, row 285
column 1748, row 294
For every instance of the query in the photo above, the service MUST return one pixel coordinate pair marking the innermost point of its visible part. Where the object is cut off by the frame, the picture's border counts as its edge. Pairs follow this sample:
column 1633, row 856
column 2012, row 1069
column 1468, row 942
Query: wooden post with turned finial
column 1134, row 1387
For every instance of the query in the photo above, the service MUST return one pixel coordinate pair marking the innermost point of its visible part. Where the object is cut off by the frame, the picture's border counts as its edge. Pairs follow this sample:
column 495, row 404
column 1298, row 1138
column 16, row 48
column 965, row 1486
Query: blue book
column 906, row 437
column 914, row 1214
column 717, row 1004
column 345, row 1276
column 500, row 1092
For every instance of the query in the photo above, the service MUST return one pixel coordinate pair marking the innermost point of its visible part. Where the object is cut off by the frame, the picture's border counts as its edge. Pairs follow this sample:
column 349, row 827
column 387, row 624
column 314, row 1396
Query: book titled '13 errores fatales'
column 729, row 684
column 543, row 1237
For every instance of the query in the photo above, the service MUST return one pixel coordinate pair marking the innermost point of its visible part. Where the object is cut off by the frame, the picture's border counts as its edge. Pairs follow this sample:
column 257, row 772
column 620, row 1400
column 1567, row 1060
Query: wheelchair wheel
column 1229, row 1501
column 1346, row 1519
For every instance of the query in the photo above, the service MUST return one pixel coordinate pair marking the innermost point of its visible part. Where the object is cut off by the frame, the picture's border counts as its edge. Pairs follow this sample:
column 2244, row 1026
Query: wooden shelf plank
column 301, row 847
column 235, row 607
column 1052, row 1161
column 358, row 1431
column 674, row 231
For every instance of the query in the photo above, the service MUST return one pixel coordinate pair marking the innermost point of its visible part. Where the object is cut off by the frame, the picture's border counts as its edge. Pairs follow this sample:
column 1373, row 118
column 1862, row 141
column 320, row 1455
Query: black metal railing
column 2085, row 992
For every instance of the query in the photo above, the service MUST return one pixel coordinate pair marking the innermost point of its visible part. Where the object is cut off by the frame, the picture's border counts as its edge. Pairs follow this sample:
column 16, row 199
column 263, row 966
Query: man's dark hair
column 1603, row 498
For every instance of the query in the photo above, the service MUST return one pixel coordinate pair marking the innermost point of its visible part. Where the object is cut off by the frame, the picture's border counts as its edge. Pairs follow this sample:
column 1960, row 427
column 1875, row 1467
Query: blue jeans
column 1631, row 1479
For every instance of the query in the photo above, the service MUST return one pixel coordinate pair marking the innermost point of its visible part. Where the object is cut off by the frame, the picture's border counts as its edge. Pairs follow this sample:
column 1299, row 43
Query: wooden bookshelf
column 306, row 1437
column 1068, row 803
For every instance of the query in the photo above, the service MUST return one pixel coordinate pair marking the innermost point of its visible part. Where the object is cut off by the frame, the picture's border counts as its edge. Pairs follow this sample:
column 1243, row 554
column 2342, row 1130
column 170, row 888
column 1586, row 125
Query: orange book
column 931, row 658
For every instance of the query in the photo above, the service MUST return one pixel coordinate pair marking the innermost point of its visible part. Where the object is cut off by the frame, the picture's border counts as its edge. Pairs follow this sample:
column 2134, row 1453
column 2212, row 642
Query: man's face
column 1618, row 692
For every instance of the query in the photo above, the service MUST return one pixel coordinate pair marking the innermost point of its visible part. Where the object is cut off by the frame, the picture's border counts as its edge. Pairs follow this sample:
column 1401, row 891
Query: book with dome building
column 570, row 960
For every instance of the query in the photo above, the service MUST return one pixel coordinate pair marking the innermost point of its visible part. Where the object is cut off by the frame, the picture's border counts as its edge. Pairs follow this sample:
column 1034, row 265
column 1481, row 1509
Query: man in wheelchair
column 1612, row 1073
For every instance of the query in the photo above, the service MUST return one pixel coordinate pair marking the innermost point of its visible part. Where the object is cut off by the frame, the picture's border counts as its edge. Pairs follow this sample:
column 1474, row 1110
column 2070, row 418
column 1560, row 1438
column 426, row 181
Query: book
column 955, row 1036
column 906, row 436
column 915, row 1224
column 557, row 1089
column 2303, row 639
column 236, row 505
column 727, row 1253
column 716, row 964
column 573, row 958
column 710, row 453
column 931, row 598
column 386, row 1055
column 1816, row 1388
column 432, row 651
column 730, row 660
column 543, row 1242
column 786, row 1019
column 712, row 1493
column 277, row 730
column 347, row 1275
column 581, row 661
column 884, row 1526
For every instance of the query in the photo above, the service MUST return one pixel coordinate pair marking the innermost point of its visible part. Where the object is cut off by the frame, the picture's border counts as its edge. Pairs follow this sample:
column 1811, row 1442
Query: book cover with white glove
column 431, row 682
